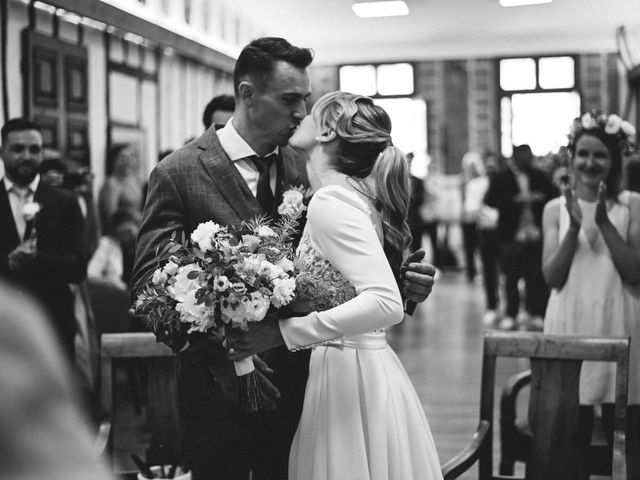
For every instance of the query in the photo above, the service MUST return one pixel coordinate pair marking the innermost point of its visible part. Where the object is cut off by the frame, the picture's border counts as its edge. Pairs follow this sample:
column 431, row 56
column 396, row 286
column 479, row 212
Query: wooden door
column 56, row 93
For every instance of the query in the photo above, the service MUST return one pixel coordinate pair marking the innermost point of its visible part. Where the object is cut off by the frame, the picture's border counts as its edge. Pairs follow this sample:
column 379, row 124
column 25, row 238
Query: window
column 391, row 79
column 391, row 85
column 538, row 100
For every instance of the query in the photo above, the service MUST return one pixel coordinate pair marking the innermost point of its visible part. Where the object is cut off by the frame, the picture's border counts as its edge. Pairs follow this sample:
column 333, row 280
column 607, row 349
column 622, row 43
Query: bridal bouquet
column 221, row 278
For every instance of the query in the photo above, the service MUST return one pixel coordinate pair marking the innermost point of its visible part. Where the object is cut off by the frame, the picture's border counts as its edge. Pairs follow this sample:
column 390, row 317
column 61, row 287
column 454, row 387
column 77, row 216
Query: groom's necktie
column 264, row 194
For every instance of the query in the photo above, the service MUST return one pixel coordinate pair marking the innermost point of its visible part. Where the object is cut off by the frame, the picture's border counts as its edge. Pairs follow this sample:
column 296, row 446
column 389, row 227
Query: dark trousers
column 470, row 244
column 524, row 260
column 608, row 417
column 489, row 254
column 230, row 448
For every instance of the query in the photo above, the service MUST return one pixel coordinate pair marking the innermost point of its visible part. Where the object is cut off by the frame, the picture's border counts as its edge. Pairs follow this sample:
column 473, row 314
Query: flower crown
column 611, row 126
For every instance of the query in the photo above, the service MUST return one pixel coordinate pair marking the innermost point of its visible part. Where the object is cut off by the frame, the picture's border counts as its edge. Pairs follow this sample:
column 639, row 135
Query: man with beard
column 41, row 230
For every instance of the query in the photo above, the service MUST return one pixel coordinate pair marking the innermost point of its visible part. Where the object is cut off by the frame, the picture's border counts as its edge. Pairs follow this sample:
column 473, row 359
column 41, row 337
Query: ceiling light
column 380, row 9
column 519, row 3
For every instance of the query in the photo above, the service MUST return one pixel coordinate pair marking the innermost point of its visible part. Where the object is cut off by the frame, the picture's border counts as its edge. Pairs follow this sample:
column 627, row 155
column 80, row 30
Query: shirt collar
column 33, row 186
column 234, row 145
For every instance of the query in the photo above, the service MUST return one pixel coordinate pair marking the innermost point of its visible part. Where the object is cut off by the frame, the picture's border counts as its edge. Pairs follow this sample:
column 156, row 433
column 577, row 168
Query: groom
column 229, row 176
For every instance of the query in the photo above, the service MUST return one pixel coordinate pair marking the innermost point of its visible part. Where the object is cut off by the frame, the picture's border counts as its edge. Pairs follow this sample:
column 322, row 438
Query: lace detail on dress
column 319, row 284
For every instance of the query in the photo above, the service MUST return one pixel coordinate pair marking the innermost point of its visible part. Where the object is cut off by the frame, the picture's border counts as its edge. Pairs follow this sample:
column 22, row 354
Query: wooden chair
column 161, row 404
column 554, row 404
column 515, row 432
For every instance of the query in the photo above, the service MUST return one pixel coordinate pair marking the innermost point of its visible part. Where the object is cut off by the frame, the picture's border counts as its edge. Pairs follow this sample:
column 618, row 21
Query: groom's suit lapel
column 9, row 235
column 226, row 177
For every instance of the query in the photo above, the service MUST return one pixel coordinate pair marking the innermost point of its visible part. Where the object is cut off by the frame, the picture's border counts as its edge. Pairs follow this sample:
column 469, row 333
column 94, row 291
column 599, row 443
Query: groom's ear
column 246, row 91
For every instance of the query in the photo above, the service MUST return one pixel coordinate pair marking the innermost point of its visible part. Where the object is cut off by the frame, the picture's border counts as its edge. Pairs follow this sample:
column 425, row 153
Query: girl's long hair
column 363, row 130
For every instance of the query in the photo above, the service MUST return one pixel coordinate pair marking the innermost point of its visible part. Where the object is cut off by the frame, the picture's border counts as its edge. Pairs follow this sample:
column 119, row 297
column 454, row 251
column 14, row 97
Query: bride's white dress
column 362, row 419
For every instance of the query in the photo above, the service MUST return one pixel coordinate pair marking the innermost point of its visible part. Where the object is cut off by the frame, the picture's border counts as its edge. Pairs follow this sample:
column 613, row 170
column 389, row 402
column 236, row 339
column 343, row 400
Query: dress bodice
column 344, row 279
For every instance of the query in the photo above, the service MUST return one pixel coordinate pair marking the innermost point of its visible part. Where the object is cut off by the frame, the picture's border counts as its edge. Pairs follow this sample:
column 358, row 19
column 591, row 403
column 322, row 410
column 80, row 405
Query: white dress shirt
column 238, row 150
column 18, row 197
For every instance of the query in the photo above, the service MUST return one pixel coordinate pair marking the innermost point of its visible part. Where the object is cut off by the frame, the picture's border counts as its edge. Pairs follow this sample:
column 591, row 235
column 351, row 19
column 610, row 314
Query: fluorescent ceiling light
column 380, row 9
column 518, row 3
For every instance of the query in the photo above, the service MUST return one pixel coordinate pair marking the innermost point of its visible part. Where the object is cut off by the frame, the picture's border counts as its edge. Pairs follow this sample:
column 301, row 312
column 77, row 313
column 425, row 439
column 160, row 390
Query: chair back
column 556, row 361
column 161, row 404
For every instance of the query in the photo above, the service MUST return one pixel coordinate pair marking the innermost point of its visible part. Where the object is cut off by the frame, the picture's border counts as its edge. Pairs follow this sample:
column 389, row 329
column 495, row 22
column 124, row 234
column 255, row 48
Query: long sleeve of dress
column 341, row 230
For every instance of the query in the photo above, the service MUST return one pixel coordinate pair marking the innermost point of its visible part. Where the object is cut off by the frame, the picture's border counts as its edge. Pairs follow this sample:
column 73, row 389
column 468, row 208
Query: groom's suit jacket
column 195, row 184
column 61, row 257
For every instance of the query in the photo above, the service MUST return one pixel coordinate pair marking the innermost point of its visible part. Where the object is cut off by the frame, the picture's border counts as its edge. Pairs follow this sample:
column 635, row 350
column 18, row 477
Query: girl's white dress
column 595, row 301
column 362, row 419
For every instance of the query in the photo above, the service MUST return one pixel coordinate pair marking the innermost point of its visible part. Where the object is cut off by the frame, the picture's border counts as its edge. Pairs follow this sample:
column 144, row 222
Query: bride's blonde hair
column 363, row 131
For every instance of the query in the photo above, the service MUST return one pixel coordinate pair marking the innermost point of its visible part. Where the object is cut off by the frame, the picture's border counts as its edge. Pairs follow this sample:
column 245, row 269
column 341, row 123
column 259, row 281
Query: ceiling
column 446, row 28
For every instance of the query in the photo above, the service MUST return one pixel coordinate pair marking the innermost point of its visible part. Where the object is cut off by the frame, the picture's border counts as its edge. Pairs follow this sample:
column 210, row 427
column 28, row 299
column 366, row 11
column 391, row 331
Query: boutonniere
column 30, row 211
column 294, row 201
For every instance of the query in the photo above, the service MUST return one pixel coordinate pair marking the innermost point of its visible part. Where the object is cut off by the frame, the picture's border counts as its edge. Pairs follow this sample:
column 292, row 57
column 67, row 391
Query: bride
column 362, row 418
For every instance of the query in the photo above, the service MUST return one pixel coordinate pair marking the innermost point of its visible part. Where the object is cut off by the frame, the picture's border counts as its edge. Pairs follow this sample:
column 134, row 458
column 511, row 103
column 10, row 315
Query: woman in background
column 123, row 188
column 591, row 261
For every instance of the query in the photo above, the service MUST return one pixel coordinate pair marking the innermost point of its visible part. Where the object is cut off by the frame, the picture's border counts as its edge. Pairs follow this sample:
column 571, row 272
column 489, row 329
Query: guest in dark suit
column 46, row 253
column 228, row 176
column 519, row 193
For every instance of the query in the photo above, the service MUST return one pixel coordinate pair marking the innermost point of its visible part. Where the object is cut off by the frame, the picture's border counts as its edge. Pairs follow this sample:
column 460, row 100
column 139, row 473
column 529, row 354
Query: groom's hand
column 260, row 336
column 268, row 390
column 417, row 277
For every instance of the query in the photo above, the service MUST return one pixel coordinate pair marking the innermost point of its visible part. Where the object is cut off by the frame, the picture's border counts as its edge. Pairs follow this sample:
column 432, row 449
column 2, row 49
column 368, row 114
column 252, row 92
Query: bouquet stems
column 249, row 391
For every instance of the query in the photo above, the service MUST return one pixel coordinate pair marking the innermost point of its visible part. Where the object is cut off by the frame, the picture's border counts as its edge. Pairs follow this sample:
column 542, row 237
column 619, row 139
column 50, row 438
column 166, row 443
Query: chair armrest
column 468, row 456
column 510, row 392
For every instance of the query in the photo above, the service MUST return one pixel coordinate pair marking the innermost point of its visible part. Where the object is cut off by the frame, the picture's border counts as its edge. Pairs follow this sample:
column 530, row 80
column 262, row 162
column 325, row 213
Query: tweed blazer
column 195, row 184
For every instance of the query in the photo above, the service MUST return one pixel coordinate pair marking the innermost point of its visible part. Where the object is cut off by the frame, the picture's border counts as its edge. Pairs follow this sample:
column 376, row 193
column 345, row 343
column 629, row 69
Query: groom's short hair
column 257, row 58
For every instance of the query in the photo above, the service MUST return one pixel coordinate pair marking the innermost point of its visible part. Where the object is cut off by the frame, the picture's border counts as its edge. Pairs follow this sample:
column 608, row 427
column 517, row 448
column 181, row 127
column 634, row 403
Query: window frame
column 376, row 65
column 501, row 93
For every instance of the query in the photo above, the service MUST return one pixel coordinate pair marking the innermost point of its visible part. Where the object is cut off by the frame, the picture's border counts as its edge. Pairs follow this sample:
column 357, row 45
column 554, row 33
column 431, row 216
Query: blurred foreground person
column 44, row 436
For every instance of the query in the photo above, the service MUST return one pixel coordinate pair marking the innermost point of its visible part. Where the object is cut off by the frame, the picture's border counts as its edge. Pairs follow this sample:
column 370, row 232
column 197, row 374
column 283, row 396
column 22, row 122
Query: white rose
column 251, row 242
column 171, row 268
column 271, row 271
column 159, row 277
column 628, row 129
column 614, row 122
column 292, row 203
column 198, row 315
column 30, row 210
column 283, row 291
column 183, row 285
column 258, row 306
column 203, row 235
column 236, row 313
column 588, row 122
column 251, row 264
column 265, row 231
column 285, row 264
